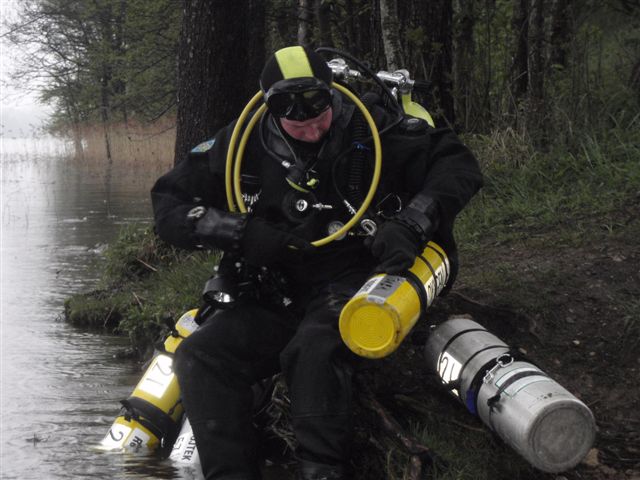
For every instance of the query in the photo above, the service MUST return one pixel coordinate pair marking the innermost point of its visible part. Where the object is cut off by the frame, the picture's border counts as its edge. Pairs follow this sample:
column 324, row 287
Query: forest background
column 547, row 94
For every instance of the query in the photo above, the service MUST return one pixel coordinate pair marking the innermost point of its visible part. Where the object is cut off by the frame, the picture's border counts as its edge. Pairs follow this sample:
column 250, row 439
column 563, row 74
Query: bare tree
column 322, row 11
column 560, row 32
column 520, row 62
column 304, row 19
column 463, row 59
column 537, row 70
column 391, row 34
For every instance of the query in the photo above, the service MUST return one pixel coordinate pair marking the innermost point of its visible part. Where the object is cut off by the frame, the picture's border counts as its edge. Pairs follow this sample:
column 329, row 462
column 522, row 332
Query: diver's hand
column 263, row 244
column 395, row 246
column 218, row 229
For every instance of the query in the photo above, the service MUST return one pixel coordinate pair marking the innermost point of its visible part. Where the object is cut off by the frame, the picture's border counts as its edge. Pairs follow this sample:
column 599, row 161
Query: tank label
column 137, row 439
column 184, row 450
column 116, row 436
column 188, row 322
column 369, row 285
column 158, row 377
column 384, row 288
column 430, row 288
column 449, row 369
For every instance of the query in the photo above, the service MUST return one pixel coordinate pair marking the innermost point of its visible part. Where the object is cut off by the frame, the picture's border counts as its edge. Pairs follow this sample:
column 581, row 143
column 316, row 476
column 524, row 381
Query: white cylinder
column 531, row 412
column 184, row 449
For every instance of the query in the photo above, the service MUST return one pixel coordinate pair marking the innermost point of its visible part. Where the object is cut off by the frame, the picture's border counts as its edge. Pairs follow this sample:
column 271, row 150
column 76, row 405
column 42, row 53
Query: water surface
column 60, row 386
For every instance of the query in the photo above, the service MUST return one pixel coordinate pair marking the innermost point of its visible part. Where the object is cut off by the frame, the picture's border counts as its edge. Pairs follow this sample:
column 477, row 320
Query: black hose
column 423, row 86
column 358, row 158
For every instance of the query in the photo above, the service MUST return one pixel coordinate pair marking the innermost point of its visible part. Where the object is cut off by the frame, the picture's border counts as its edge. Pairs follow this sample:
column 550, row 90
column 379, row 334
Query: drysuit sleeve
column 441, row 175
column 193, row 190
column 453, row 175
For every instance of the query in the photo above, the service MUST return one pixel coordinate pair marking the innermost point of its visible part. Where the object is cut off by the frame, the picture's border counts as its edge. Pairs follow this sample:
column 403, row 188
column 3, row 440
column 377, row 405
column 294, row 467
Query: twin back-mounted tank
column 530, row 411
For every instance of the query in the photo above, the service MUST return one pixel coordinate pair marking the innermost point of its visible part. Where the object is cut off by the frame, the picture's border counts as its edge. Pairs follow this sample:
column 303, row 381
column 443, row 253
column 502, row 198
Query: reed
column 131, row 144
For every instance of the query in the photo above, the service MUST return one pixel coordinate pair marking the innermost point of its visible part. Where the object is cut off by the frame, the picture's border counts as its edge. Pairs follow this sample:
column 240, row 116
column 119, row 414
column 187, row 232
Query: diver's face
column 310, row 130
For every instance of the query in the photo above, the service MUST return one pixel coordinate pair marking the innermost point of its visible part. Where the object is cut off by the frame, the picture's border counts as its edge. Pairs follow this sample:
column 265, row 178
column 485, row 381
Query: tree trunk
column 74, row 120
column 391, row 34
column 520, row 64
column 304, row 20
column 537, row 68
column 634, row 80
column 323, row 11
column 220, row 57
column 536, row 43
column 560, row 33
column 463, row 60
column 436, row 20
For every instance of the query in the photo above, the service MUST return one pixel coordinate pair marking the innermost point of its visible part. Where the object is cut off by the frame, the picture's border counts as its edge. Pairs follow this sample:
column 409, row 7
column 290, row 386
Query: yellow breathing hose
column 232, row 170
column 232, row 144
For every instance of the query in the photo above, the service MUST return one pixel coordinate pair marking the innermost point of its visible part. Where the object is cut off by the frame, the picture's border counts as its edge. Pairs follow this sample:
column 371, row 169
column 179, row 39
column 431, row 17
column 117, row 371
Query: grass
column 528, row 192
column 146, row 286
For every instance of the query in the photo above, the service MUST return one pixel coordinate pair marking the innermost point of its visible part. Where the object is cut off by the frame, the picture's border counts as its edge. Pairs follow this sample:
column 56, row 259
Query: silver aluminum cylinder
column 536, row 416
column 531, row 412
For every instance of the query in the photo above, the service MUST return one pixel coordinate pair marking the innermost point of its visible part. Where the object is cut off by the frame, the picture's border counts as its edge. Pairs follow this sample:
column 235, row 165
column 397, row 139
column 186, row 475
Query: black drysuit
column 217, row 365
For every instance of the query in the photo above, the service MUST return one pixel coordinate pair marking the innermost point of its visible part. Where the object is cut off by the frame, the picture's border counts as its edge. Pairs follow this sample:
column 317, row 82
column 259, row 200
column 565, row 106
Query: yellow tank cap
column 369, row 330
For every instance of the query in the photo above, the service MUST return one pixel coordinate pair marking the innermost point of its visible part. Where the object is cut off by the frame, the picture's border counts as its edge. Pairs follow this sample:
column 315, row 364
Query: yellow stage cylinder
column 381, row 314
column 154, row 409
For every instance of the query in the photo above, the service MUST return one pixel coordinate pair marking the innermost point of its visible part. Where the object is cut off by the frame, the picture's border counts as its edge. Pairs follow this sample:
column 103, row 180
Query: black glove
column 395, row 246
column 219, row 229
column 401, row 239
column 263, row 244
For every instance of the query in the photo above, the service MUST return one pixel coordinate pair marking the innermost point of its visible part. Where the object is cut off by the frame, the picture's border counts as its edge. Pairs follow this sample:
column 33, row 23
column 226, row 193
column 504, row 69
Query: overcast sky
column 20, row 112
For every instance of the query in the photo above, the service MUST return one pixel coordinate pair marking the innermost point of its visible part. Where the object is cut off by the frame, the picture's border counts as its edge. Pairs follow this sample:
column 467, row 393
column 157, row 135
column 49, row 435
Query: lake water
column 60, row 386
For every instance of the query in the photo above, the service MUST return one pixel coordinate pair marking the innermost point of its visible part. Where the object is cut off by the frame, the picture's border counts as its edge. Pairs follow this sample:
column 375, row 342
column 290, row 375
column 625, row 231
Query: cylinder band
column 151, row 417
column 417, row 285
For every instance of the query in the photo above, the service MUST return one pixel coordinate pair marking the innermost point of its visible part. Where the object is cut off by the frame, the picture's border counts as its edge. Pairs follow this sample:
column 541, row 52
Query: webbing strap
column 491, row 402
column 471, row 397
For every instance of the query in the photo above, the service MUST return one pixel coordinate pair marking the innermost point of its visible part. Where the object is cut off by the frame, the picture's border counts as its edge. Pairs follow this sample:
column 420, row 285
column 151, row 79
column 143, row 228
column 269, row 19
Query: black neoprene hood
column 276, row 67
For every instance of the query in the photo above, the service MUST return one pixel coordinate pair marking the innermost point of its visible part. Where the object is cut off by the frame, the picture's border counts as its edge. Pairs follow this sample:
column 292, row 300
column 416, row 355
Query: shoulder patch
column 204, row 146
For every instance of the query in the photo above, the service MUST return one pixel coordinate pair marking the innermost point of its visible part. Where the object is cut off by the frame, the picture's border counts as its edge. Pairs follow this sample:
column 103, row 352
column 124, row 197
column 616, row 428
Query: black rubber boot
column 317, row 471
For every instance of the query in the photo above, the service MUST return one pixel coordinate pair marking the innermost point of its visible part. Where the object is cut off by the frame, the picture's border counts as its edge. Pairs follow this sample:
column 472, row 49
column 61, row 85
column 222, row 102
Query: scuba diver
column 307, row 163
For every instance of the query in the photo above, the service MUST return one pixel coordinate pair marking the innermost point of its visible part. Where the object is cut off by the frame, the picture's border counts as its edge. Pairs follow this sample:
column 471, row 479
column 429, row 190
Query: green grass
column 146, row 287
column 530, row 193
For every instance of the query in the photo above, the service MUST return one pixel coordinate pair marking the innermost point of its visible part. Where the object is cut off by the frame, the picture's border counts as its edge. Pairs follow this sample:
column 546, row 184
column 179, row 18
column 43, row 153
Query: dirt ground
column 575, row 311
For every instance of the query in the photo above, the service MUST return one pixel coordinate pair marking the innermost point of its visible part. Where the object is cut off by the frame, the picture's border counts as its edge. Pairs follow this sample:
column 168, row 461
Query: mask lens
column 281, row 104
column 317, row 100
column 299, row 105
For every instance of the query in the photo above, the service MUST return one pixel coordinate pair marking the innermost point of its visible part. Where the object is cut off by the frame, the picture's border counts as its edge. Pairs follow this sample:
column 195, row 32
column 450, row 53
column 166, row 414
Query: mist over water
column 60, row 386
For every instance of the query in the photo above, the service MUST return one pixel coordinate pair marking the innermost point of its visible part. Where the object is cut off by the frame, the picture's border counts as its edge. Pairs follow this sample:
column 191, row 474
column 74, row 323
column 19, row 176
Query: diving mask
column 298, row 98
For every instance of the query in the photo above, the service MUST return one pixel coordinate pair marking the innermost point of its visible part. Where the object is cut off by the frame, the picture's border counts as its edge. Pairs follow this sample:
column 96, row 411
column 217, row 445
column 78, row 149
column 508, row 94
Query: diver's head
column 295, row 82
